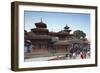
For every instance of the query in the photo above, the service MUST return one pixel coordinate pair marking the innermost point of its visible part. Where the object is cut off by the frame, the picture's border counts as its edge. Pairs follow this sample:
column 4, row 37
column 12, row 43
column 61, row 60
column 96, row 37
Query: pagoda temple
column 41, row 28
column 44, row 42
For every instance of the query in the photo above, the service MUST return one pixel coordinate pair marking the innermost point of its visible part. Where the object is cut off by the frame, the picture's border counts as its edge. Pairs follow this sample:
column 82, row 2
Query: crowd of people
column 77, row 52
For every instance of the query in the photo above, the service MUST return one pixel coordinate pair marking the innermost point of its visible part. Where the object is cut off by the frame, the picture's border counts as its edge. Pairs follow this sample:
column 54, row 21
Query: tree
column 78, row 34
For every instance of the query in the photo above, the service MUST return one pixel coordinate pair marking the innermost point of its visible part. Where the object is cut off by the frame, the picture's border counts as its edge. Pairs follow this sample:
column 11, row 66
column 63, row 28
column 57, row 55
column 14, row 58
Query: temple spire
column 41, row 19
column 40, row 24
column 66, row 27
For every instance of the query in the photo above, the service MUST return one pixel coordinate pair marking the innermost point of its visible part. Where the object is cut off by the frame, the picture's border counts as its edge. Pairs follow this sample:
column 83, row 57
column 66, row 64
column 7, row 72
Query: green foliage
column 78, row 34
